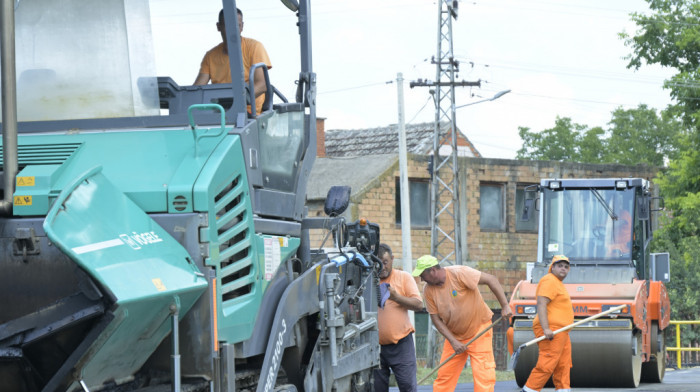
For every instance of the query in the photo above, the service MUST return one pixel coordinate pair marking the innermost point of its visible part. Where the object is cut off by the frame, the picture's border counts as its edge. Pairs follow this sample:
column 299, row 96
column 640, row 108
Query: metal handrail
column 678, row 347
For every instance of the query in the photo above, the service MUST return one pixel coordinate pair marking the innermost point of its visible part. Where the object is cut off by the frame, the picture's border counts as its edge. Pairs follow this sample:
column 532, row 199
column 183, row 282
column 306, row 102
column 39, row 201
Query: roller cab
column 604, row 227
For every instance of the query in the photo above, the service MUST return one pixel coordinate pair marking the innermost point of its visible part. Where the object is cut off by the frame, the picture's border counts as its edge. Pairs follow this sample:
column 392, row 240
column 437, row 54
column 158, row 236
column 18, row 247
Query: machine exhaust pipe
column 9, row 104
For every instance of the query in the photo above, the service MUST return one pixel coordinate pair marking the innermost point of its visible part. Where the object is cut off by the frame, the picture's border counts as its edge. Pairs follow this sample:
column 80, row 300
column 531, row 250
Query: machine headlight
column 526, row 309
column 625, row 310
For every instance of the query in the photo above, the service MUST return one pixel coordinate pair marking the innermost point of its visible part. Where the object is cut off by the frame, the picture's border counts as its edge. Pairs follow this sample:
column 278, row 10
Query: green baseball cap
column 423, row 263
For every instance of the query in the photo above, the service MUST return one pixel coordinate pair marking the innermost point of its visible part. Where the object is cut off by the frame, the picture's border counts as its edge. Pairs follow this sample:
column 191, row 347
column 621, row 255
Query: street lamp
column 498, row 95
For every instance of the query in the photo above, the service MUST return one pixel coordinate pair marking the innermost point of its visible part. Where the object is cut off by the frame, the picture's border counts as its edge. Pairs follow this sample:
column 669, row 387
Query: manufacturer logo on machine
column 137, row 240
column 134, row 240
column 580, row 309
column 272, row 373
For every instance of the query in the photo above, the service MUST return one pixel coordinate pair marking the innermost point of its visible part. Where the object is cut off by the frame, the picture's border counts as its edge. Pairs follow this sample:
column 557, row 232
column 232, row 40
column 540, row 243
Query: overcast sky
column 559, row 57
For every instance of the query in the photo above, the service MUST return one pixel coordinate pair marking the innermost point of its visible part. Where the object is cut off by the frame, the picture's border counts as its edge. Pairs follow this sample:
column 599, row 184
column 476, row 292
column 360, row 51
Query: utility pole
column 406, row 253
column 444, row 200
column 445, row 240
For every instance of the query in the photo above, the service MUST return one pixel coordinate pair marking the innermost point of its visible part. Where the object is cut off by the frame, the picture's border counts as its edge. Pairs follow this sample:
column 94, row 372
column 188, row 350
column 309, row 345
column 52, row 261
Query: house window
column 520, row 196
column 419, row 192
column 491, row 206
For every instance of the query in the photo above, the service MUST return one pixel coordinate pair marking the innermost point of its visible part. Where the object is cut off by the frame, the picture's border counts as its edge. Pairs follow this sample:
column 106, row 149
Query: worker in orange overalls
column 554, row 311
column 459, row 313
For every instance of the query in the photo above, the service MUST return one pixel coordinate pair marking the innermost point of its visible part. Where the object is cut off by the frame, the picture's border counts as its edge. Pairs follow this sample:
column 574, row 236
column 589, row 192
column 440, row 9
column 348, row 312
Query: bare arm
column 542, row 315
column 458, row 346
column 260, row 86
column 407, row 302
column 497, row 290
column 202, row 78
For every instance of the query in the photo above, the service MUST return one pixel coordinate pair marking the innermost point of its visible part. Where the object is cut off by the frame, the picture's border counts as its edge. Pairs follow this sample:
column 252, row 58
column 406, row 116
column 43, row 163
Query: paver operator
column 215, row 65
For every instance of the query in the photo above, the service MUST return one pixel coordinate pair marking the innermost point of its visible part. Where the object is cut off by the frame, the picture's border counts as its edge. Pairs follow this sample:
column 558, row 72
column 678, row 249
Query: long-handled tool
column 453, row 354
column 516, row 354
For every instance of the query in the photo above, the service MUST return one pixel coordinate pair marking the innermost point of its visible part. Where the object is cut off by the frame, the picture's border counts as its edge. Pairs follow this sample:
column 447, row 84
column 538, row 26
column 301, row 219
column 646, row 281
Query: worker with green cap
column 459, row 313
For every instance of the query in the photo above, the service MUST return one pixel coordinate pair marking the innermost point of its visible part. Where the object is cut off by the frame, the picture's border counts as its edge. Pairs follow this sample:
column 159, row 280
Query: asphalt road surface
column 684, row 380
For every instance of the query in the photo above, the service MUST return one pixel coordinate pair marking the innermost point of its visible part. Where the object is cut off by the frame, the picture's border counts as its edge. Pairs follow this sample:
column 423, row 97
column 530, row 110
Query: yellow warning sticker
column 159, row 284
column 25, row 181
column 23, row 200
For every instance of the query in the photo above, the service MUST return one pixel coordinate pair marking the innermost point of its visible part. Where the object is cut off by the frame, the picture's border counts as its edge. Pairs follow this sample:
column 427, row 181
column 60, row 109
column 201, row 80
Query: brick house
column 494, row 239
column 491, row 193
column 366, row 160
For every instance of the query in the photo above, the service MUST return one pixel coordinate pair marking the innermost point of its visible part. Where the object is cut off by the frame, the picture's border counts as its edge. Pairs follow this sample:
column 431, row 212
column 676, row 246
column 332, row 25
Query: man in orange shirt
column 622, row 235
column 554, row 311
column 459, row 313
column 398, row 351
column 215, row 65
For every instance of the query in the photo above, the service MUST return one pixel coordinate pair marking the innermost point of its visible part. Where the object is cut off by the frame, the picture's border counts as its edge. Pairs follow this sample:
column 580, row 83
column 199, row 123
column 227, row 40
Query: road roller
column 604, row 226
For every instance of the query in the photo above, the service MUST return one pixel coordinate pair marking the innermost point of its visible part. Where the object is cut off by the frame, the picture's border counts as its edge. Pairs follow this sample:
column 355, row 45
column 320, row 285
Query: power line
column 355, row 87
column 500, row 146
column 558, row 8
column 517, row 93
column 420, row 110
column 568, row 71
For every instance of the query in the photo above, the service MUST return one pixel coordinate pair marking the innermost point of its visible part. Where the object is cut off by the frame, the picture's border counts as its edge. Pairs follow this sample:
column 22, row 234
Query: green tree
column 561, row 143
column 640, row 136
column 637, row 136
column 592, row 147
column 670, row 37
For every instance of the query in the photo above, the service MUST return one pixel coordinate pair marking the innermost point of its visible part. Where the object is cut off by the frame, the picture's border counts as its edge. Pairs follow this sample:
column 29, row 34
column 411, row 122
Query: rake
column 453, row 354
column 516, row 354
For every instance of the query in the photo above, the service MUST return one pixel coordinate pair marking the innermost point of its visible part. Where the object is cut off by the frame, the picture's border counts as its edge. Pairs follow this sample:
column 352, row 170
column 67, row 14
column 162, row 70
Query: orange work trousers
column 554, row 360
column 483, row 365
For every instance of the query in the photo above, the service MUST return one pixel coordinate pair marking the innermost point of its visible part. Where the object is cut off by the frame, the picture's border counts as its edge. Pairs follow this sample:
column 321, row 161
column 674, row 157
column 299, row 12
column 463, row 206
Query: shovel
column 516, row 354
column 453, row 354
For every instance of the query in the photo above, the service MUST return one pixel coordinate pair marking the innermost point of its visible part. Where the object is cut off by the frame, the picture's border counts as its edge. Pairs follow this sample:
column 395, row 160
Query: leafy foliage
column 634, row 136
column 560, row 143
column 670, row 37
column 640, row 136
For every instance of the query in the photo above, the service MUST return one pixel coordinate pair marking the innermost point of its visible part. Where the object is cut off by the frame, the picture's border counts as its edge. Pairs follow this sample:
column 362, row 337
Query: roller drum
column 601, row 356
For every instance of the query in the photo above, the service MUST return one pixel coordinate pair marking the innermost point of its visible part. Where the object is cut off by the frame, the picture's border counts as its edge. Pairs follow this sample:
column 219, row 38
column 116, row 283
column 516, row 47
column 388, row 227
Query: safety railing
column 678, row 349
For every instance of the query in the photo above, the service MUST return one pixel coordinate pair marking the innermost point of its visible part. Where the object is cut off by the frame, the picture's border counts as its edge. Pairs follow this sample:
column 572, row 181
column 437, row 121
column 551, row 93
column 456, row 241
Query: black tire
column 655, row 370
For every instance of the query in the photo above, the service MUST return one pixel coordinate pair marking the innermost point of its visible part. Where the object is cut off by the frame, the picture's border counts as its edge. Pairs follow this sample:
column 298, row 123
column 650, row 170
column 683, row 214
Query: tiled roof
column 382, row 140
column 355, row 172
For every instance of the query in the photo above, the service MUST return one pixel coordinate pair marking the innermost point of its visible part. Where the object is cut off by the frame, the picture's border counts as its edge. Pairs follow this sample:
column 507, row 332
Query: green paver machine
column 154, row 236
